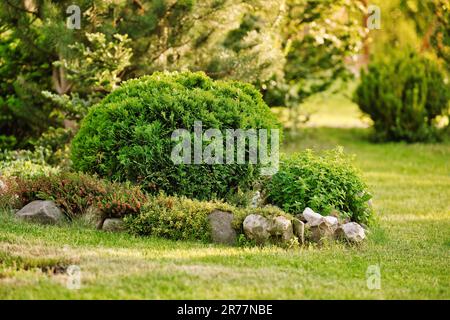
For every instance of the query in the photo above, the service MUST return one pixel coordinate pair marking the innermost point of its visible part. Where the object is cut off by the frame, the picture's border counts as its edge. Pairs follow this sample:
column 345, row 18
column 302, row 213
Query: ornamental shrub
column 176, row 218
column 74, row 193
column 324, row 183
column 404, row 95
column 127, row 136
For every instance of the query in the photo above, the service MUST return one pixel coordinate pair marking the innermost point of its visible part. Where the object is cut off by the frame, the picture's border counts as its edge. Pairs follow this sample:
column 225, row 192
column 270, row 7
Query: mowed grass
column 411, row 245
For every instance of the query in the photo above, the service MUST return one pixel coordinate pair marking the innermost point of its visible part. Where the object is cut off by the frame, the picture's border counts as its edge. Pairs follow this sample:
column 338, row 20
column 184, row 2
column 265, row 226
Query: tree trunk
column 61, row 84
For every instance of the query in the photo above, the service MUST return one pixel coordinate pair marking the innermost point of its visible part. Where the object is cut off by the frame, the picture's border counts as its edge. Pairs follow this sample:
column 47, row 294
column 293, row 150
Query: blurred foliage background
column 291, row 50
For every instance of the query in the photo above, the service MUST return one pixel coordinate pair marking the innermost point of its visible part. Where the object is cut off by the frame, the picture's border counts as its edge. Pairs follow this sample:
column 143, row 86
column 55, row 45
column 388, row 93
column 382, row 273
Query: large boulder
column 257, row 228
column 45, row 212
column 282, row 228
column 113, row 225
column 222, row 230
column 351, row 231
column 261, row 229
column 331, row 221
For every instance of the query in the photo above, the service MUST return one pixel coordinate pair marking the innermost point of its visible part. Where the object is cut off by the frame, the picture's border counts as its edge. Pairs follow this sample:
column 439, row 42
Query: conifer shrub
column 127, row 136
column 405, row 95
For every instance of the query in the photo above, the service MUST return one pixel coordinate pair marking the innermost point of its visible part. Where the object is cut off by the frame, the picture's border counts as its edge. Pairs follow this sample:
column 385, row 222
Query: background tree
column 432, row 23
column 421, row 25
column 80, row 66
column 320, row 38
column 291, row 49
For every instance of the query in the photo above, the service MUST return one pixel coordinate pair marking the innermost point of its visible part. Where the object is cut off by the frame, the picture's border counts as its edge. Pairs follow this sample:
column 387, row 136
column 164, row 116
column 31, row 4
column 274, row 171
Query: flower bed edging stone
column 222, row 230
column 262, row 229
column 256, row 227
column 44, row 212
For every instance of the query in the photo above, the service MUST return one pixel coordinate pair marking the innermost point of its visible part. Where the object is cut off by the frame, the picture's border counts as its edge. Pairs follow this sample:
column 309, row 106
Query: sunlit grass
column 411, row 244
column 413, row 259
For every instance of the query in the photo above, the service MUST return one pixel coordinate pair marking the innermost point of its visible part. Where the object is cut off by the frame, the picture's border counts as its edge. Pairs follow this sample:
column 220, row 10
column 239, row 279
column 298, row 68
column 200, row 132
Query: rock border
column 308, row 226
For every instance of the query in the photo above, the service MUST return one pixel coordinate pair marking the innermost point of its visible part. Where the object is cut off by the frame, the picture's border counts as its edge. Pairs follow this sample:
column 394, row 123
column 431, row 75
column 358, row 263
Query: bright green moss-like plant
column 174, row 218
column 323, row 183
column 128, row 135
column 405, row 95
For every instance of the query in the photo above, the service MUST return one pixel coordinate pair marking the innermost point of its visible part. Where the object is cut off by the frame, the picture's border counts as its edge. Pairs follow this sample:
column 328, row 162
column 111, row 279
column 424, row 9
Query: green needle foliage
column 127, row 136
column 50, row 74
column 404, row 94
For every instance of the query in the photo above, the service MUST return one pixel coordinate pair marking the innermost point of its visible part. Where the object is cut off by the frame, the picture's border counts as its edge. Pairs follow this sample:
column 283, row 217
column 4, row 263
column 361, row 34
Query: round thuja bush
column 129, row 134
column 326, row 183
column 407, row 97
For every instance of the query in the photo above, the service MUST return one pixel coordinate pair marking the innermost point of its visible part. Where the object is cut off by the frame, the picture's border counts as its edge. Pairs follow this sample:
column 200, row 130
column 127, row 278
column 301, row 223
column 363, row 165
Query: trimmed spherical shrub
column 324, row 183
column 127, row 136
column 404, row 94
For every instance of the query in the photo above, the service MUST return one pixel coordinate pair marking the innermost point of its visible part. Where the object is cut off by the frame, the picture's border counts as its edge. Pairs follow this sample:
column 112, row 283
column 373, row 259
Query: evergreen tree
column 432, row 22
column 290, row 48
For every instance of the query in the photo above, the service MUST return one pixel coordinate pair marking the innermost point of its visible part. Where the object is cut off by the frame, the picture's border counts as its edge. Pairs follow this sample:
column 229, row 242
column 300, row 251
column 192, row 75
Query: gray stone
column 352, row 232
column 312, row 218
column 257, row 228
column 93, row 217
column 113, row 225
column 331, row 221
column 222, row 230
column 299, row 229
column 320, row 227
column 322, row 232
column 45, row 212
column 282, row 227
column 325, row 230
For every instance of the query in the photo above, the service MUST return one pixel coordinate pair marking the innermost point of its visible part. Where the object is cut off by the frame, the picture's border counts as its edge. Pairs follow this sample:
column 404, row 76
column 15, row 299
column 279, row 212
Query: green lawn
column 411, row 187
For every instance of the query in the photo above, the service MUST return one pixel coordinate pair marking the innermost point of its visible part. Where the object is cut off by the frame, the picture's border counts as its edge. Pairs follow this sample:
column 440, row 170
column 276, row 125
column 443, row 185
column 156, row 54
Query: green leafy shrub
column 323, row 183
column 75, row 192
column 180, row 218
column 404, row 95
column 128, row 135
